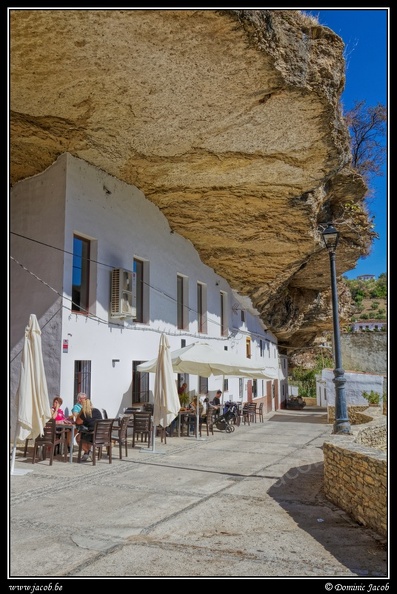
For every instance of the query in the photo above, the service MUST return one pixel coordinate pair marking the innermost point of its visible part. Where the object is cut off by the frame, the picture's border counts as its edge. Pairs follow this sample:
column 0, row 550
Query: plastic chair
column 49, row 441
column 101, row 438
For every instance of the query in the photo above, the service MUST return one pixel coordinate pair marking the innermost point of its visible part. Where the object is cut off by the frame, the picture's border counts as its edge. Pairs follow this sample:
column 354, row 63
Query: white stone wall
column 356, row 384
column 74, row 197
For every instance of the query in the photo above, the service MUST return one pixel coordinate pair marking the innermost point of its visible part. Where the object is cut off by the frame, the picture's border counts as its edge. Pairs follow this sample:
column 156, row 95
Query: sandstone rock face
column 228, row 120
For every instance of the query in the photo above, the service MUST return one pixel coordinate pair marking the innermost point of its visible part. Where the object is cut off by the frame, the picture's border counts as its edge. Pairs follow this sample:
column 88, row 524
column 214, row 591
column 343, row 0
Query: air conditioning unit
column 123, row 294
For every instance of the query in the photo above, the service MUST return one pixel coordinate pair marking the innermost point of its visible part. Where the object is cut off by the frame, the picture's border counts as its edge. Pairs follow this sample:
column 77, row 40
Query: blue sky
column 365, row 34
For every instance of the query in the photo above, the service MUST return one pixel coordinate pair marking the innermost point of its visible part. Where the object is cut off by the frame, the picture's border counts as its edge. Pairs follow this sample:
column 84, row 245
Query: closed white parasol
column 166, row 399
column 32, row 395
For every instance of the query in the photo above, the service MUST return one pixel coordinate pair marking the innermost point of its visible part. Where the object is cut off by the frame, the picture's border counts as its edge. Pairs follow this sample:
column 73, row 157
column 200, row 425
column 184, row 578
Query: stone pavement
column 242, row 504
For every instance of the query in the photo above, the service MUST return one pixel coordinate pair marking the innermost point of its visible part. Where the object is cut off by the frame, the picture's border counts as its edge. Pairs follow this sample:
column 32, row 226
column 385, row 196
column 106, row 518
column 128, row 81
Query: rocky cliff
column 228, row 120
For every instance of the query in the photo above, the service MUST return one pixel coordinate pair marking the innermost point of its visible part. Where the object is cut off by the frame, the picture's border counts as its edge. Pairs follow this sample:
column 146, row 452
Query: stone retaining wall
column 355, row 473
column 373, row 436
column 365, row 351
column 357, row 414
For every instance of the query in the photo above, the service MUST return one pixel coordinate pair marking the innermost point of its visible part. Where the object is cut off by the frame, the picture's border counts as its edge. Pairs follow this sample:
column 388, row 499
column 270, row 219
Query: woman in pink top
column 56, row 410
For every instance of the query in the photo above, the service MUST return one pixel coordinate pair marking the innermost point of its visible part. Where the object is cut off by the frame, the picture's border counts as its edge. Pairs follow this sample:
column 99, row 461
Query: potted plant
column 184, row 399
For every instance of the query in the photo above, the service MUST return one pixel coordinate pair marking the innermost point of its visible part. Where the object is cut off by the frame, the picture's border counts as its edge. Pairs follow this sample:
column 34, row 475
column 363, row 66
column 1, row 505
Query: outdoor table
column 185, row 413
column 64, row 427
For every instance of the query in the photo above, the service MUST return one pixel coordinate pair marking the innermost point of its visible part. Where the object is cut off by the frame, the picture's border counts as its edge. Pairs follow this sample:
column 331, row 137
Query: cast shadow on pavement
column 300, row 493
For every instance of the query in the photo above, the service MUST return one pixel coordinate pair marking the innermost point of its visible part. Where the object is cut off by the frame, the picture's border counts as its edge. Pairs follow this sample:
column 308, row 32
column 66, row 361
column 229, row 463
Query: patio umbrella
column 32, row 394
column 165, row 395
column 200, row 358
column 166, row 400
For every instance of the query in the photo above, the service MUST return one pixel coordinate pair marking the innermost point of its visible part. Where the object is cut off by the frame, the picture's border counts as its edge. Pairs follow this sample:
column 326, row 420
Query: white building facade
column 356, row 383
column 105, row 275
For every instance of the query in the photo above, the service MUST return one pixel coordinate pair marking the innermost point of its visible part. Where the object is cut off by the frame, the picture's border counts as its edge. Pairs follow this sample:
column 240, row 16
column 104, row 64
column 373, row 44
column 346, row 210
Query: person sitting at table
column 202, row 406
column 76, row 409
column 59, row 416
column 216, row 402
column 206, row 406
column 74, row 416
column 182, row 389
column 56, row 410
column 86, row 421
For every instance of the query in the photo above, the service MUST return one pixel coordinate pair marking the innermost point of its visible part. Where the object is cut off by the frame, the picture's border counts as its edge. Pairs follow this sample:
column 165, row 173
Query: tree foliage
column 367, row 126
column 367, row 289
column 305, row 378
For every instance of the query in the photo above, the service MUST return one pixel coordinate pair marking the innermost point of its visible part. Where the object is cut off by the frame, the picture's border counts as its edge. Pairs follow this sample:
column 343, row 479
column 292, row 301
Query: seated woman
column 57, row 412
column 202, row 408
column 59, row 416
column 86, row 421
column 74, row 416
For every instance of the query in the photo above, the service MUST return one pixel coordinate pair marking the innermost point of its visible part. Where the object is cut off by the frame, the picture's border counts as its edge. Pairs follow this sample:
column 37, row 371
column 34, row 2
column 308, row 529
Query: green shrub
column 372, row 397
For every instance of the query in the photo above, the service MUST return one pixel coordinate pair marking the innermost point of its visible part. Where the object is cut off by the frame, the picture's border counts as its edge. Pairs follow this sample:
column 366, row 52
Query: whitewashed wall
column 356, row 384
column 72, row 197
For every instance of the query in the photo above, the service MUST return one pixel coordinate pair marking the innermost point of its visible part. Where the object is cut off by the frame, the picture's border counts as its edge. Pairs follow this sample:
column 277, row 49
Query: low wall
column 357, row 414
column 355, row 473
column 365, row 351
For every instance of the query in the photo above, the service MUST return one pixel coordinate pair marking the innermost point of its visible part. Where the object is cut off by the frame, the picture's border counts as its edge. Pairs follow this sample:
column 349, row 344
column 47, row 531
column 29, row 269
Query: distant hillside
column 369, row 298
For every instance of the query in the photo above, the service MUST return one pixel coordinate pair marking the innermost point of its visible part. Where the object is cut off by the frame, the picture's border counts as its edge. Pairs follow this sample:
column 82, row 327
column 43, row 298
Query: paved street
column 244, row 504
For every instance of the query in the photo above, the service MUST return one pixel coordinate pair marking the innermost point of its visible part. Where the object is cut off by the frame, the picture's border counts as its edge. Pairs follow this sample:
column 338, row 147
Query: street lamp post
column 341, row 423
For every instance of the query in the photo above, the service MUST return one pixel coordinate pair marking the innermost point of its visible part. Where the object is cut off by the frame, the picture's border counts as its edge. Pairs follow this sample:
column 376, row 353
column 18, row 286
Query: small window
column 183, row 378
column 248, row 347
column 82, row 379
column 138, row 270
column 203, row 385
column 182, row 302
column 201, row 308
column 140, row 384
column 81, row 275
column 141, row 269
column 224, row 324
column 255, row 388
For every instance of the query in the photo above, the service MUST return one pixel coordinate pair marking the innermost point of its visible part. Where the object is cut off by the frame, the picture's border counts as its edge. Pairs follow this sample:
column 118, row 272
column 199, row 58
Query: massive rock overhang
column 228, row 120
